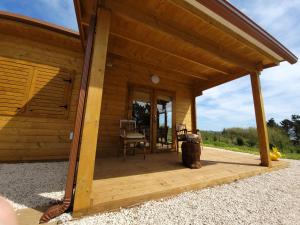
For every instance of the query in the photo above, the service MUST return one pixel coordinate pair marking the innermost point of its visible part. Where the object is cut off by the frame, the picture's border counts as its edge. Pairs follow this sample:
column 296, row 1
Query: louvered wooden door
column 15, row 81
column 50, row 91
column 32, row 89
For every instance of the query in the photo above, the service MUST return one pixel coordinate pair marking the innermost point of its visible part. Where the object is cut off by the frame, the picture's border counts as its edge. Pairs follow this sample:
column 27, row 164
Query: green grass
column 291, row 156
column 247, row 149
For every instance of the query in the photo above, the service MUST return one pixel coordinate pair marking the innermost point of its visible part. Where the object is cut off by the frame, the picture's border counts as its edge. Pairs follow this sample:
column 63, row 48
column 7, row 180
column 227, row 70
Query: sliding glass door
column 141, row 112
column 153, row 112
column 164, row 122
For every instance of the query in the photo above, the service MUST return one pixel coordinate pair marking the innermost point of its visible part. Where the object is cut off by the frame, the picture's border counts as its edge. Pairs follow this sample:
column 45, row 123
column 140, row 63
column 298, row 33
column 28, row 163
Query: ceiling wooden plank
column 198, row 42
column 119, row 63
column 204, row 85
column 119, row 50
column 164, row 51
column 189, row 8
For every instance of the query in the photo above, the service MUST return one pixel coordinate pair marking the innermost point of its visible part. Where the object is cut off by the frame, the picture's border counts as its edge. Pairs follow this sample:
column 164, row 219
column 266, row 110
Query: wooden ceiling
column 165, row 36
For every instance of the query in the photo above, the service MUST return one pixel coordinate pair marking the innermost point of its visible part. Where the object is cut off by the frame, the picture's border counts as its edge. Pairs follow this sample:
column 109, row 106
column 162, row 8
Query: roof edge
column 39, row 23
column 233, row 15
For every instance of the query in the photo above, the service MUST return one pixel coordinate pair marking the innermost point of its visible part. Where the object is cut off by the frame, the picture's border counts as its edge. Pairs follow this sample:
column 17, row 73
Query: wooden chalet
column 63, row 94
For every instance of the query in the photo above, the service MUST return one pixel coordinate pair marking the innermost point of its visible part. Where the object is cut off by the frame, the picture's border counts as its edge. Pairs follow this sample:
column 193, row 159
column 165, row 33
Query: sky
column 230, row 104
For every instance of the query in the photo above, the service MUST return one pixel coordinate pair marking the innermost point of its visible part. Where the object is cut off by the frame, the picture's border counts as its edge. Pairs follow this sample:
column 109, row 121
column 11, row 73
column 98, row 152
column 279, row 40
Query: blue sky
column 230, row 104
column 60, row 12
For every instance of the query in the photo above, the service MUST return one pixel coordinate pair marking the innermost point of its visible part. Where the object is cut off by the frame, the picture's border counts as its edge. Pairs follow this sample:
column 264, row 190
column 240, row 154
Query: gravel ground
column 272, row 198
column 29, row 185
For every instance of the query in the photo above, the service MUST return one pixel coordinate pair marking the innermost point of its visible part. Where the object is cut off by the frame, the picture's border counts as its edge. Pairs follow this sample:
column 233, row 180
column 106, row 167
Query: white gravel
column 29, row 185
column 272, row 198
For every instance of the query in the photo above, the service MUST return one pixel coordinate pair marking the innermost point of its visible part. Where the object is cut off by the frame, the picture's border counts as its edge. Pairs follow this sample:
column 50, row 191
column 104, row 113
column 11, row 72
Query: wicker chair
column 129, row 137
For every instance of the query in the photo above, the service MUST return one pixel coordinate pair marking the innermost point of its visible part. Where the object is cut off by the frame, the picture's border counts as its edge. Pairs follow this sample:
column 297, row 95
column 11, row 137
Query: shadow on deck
column 119, row 183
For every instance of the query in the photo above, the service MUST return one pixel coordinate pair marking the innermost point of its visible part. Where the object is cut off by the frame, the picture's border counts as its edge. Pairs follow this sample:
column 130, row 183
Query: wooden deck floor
column 121, row 184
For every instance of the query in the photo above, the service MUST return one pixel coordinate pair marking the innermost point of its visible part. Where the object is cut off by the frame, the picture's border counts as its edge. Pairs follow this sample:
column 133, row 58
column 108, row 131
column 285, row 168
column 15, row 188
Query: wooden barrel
column 191, row 155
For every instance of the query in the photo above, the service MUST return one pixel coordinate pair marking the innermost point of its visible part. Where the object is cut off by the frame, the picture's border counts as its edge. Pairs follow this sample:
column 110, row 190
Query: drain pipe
column 60, row 208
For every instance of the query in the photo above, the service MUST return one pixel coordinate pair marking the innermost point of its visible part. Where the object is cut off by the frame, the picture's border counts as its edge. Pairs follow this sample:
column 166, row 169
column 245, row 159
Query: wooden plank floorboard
column 119, row 183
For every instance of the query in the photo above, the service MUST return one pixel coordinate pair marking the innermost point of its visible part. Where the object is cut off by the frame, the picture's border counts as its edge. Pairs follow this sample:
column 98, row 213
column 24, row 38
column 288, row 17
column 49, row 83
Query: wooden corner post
column 195, row 94
column 194, row 114
column 90, row 129
column 260, row 120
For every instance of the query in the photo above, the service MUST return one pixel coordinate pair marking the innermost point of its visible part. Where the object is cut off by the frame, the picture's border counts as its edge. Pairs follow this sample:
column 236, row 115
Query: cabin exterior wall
column 115, row 102
column 26, row 136
column 36, row 131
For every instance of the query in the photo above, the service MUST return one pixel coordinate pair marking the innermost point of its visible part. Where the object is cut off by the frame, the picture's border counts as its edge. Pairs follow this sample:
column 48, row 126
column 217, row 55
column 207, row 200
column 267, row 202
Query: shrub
column 240, row 141
column 278, row 138
column 215, row 138
column 251, row 142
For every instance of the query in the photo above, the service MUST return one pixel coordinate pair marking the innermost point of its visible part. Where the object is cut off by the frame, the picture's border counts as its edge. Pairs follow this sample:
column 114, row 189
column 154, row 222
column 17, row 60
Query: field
column 245, row 140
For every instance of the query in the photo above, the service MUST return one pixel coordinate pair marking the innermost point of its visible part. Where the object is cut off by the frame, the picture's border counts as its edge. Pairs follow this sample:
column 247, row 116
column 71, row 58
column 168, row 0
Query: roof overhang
column 48, row 33
column 247, row 47
column 219, row 10
column 234, row 19
column 38, row 23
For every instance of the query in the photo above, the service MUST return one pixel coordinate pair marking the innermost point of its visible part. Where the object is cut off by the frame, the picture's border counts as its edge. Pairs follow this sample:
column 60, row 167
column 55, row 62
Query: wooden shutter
column 15, row 80
column 32, row 89
column 50, row 92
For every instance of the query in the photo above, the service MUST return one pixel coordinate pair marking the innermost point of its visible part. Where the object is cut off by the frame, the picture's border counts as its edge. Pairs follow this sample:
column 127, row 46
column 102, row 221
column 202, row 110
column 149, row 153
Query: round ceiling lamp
column 155, row 79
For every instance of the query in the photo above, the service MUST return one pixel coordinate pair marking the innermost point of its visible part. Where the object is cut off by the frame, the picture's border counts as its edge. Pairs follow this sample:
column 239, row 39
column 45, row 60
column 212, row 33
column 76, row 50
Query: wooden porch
column 118, row 183
column 130, row 43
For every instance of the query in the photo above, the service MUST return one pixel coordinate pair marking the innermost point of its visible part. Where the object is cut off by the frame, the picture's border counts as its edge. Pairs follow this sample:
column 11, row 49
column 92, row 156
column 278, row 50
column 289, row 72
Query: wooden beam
column 128, row 68
column 260, row 120
column 194, row 114
column 198, row 42
column 197, row 91
column 78, row 11
column 153, row 68
column 89, row 138
column 119, row 51
column 218, row 80
column 166, row 52
column 189, row 7
column 60, row 208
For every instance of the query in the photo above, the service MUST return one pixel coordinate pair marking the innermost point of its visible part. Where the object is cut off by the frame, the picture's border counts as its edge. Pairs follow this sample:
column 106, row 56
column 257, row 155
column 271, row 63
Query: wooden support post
column 89, row 138
column 195, row 94
column 260, row 120
column 194, row 114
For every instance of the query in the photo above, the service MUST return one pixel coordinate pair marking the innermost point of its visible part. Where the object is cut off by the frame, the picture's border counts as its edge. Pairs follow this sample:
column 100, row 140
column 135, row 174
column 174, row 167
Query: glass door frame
column 153, row 94
column 172, row 95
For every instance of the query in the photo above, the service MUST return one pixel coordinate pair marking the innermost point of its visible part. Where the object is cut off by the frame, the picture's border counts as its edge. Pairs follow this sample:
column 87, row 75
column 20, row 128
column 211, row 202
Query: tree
column 278, row 137
column 296, row 127
column 286, row 125
column 272, row 123
column 292, row 127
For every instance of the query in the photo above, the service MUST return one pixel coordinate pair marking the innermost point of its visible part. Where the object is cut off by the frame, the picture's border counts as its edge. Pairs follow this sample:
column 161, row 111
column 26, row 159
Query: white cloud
column 60, row 12
column 231, row 104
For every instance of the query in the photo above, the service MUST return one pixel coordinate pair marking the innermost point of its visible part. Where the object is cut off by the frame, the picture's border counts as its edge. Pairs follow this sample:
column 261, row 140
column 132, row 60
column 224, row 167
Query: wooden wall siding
column 115, row 97
column 37, row 137
column 40, row 35
column 33, row 89
column 50, row 92
column 15, row 82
